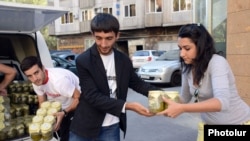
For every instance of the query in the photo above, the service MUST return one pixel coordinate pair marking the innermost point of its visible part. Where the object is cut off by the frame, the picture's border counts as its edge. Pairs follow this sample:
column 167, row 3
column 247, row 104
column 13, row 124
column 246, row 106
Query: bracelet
column 65, row 113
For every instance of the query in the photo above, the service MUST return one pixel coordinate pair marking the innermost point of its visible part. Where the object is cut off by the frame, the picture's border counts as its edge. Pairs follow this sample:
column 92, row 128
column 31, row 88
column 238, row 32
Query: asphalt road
column 159, row 128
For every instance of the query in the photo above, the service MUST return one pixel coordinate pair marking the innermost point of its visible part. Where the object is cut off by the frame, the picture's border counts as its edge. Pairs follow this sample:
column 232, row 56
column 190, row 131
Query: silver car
column 165, row 69
column 141, row 57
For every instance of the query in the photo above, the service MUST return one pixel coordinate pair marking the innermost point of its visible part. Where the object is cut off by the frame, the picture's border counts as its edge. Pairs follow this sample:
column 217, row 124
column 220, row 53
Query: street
column 159, row 128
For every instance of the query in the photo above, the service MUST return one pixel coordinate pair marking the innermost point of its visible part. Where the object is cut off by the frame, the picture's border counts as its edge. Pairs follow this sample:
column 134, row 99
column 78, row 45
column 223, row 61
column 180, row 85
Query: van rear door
column 26, row 18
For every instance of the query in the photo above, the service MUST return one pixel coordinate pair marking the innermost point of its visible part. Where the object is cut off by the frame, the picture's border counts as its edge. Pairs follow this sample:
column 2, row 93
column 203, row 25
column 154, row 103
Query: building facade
column 145, row 24
column 154, row 24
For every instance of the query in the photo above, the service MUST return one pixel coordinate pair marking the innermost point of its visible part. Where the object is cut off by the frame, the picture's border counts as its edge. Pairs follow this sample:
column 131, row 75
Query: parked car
column 142, row 57
column 69, row 56
column 63, row 63
column 165, row 69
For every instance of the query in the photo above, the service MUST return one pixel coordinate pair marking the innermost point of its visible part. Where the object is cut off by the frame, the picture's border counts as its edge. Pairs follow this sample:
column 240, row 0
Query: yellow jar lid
column 46, row 127
column 51, row 111
column 56, row 105
column 34, row 128
column 41, row 112
column 37, row 119
column 49, row 119
column 45, row 104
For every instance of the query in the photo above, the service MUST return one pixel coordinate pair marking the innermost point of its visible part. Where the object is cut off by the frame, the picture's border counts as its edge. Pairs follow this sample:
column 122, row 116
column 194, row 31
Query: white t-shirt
column 60, row 86
column 109, row 64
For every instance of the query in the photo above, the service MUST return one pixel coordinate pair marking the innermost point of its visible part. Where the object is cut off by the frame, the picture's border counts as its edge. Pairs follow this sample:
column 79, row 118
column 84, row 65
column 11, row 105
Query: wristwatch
column 65, row 113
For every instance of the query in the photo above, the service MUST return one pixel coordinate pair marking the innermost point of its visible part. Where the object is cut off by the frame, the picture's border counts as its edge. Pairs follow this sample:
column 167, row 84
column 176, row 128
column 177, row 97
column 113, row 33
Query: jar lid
column 41, row 112
column 34, row 128
column 46, row 127
column 45, row 104
column 37, row 119
column 51, row 111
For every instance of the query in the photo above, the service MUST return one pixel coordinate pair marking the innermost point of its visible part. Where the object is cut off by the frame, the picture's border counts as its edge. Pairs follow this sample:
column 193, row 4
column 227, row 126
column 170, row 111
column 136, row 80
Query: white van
column 20, row 37
column 19, row 33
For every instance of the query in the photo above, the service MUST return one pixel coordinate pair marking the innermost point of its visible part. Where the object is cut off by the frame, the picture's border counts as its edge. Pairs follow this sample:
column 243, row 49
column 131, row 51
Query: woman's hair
column 29, row 62
column 204, row 43
column 105, row 22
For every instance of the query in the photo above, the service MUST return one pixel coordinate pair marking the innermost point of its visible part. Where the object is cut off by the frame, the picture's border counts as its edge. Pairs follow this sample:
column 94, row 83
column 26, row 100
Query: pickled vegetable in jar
column 34, row 131
column 57, row 105
column 155, row 101
column 46, row 130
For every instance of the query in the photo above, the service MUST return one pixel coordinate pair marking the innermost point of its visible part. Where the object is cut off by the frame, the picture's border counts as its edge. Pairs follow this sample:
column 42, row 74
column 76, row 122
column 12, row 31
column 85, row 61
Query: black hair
column 204, row 43
column 105, row 22
column 29, row 62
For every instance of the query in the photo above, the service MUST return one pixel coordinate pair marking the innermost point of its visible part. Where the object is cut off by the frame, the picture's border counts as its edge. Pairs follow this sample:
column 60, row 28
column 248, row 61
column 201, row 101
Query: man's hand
column 59, row 118
column 3, row 92
column 138, row 108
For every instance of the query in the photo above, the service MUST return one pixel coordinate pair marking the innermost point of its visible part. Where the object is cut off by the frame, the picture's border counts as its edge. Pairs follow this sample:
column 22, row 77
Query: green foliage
column 50, row 40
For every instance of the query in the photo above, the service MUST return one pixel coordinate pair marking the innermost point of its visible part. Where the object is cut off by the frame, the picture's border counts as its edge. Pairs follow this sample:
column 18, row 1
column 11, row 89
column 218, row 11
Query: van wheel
column 175, row 79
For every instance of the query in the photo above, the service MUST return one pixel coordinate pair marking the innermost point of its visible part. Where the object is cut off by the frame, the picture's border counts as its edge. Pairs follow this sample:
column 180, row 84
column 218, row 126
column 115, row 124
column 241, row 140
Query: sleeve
column 220, row 72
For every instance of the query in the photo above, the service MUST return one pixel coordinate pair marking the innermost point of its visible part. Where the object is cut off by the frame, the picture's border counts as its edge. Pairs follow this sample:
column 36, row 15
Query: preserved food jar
column 34, row 131
column 49, row 119
column 41, row 112
column 155, row 101
column 46, row 130
column 173, row 95
column 57, row 105
column 37, row 119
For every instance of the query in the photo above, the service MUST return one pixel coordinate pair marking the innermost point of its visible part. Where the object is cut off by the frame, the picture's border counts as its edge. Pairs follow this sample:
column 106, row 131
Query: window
column 86, row 15
column 155, row 5
column 130, row 10
column 181, row 5
column 67, row 18
column 107, row 10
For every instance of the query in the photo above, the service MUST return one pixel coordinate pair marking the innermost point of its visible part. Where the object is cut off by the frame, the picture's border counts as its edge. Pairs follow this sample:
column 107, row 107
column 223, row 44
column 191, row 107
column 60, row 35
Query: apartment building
column 153, row 24
column 145, row 24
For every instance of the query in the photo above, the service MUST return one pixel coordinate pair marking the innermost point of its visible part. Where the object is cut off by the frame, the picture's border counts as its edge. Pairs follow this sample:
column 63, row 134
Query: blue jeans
column 109, row 133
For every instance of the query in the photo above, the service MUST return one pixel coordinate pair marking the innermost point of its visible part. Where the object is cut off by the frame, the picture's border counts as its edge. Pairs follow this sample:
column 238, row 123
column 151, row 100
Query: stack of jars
column 44, row 120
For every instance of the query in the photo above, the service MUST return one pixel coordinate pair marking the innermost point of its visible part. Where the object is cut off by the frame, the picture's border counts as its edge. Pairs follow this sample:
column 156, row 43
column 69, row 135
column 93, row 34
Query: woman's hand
column 173, row 109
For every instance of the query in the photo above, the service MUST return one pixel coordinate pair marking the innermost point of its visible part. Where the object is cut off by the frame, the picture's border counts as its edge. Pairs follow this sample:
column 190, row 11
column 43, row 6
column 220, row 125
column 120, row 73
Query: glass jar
column 46, row 130
column 34, row 131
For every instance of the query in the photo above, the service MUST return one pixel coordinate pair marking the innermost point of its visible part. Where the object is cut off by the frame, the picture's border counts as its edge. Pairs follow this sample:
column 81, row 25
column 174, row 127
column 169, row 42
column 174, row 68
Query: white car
column 164, row 70
column 141, row 57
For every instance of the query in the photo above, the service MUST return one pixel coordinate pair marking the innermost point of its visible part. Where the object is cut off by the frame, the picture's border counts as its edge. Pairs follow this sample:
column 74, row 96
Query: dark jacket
column 95, row 100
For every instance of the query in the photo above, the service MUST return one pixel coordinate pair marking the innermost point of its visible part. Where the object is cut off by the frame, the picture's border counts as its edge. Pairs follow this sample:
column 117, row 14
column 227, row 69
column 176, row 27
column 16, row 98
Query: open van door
column 19, row 31
column 26, row 18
